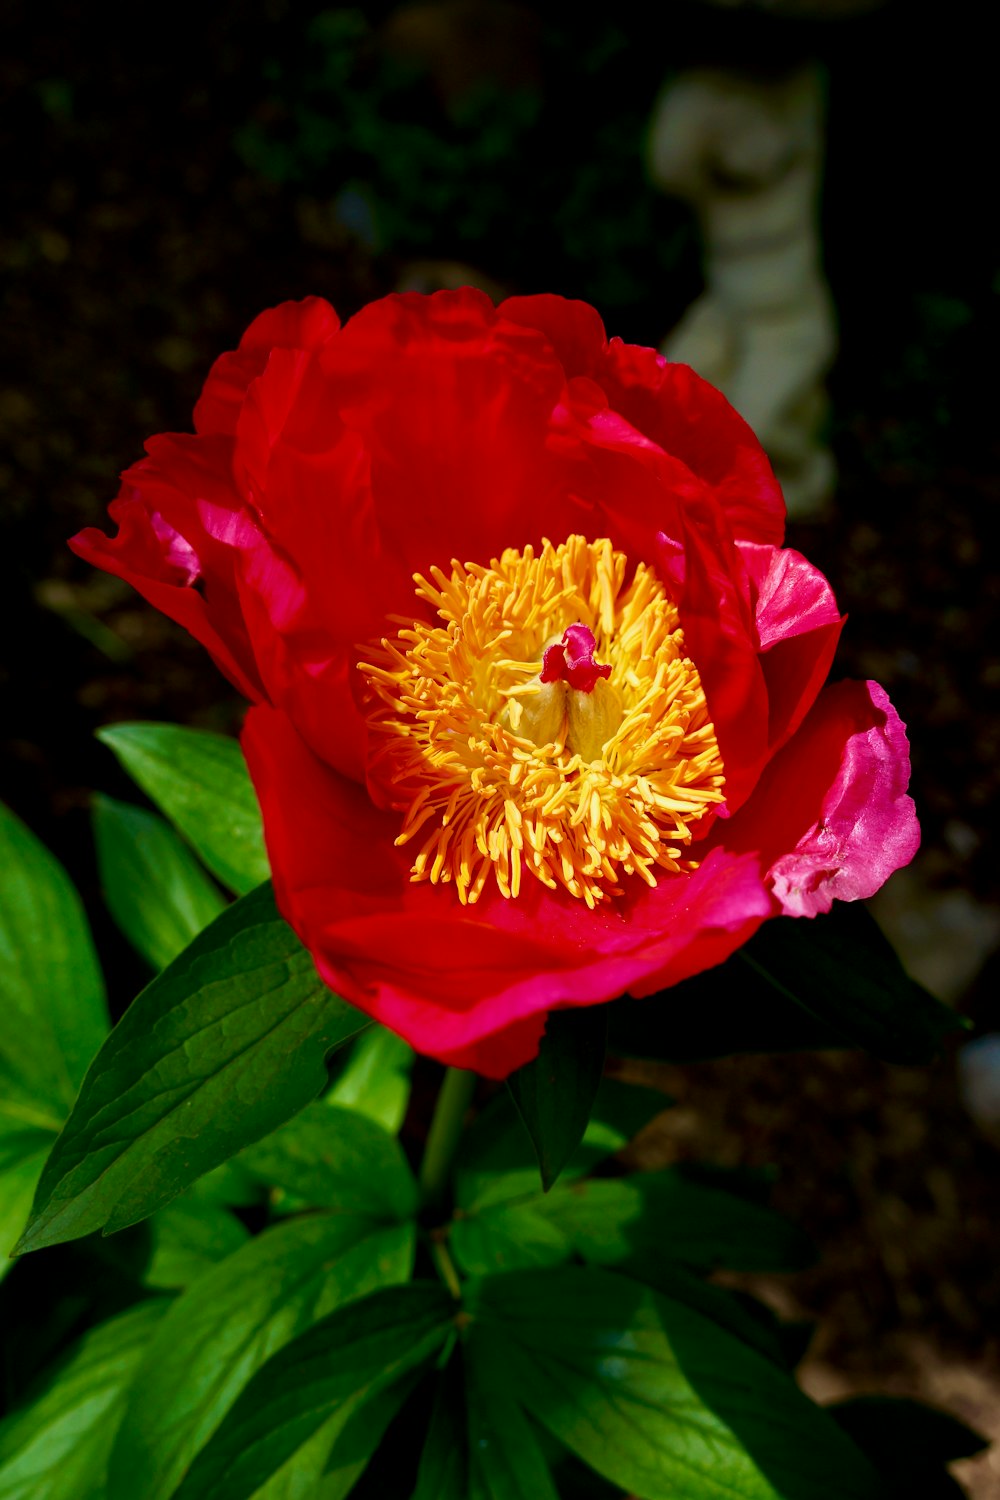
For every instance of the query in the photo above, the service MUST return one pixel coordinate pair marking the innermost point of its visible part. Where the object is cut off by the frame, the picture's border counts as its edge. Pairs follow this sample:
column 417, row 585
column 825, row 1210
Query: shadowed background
column 165, row 185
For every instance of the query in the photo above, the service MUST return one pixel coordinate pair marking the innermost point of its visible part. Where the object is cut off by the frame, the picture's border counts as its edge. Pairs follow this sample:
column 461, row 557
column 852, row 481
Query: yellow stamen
column 498, row 774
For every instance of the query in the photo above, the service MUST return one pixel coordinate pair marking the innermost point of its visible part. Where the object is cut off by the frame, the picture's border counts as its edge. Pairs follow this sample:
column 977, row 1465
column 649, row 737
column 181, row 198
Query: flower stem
column 445, row 1133
column 444, row 1265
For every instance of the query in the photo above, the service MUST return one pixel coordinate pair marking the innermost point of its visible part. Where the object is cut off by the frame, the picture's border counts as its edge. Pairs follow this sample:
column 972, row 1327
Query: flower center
column 550, row 724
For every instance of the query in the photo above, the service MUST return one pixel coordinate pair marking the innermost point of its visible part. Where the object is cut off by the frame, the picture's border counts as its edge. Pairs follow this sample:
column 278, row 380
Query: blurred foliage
column 538, row 179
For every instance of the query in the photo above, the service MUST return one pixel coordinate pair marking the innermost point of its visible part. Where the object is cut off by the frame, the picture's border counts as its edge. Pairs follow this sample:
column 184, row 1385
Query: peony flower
column 538, row 705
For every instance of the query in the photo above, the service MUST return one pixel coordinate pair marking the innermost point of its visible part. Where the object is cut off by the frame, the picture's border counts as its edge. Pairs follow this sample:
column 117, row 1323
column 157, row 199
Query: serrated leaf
column 637, row 1223
column 375, row 1079
column 656, row 1397
column 200, row 782
column 57, row 1447
column 333, row 1158
column 230, row 1322
column 554, row 1093
column 222, row 1047
column 154, row 887
column 798, row 984
column 353, row 1354
column 51, row 989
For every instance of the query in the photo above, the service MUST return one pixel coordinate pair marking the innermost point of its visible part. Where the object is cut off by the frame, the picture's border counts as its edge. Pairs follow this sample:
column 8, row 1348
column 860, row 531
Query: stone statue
column 746, row 152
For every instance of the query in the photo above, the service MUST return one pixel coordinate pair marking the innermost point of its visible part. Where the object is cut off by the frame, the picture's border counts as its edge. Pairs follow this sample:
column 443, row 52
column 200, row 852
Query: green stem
column 445, row 1266
column 445, row 1133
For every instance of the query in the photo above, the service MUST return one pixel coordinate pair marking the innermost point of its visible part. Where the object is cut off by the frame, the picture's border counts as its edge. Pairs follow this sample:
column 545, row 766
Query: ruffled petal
column 163, row 549
column 292, row 325
column 707, row 578
column 671, row 405
column 830, row 818
column 691, row 419
column 798, row 626
column 420, row 434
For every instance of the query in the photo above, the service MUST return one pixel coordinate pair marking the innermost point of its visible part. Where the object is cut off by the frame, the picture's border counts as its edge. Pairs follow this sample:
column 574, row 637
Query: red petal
column 469, row 985
column 574, row 329
column 691, row 419
column 163, row 549
column 720, row 638
column 292, row 325
column 669, row 404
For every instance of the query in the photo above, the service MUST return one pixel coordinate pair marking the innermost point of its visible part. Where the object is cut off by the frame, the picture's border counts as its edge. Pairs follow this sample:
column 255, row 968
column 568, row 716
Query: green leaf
column 356, row 1439
column 22, row 1157
column 656, row 1397
column 330, row 1463
column 444, row 1460
column 233, row 1319
column 619, row 1112
column 200, row 782
column 507, row 1237
column 54, row 1010
column 223, row 1046
column 230, row 1186
column 332, row 1369
column 57, row 1447
column 841, row 969
column 301, row 1477
column 334, row 1158
column 505, row 1460
column 829, row 981
column 741, row 1315
column 636, row 1223
column 554, row 1094
column 375, row 1080
column 189, row 1236
column 155, row 889
column 641, row 1225
column 497, row 1162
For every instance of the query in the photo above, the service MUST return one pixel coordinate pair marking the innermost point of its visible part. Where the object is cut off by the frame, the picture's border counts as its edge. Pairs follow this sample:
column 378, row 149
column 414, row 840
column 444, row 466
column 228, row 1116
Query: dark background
column 194, row 165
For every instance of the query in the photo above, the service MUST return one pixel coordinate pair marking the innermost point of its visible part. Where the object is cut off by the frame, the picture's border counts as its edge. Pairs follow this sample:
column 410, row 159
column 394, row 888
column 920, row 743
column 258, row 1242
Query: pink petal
column 831, row 818
column 798, row 626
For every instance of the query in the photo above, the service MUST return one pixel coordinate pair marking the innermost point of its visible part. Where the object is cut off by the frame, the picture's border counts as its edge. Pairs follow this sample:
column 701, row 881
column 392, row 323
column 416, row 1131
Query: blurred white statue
column 747, row 153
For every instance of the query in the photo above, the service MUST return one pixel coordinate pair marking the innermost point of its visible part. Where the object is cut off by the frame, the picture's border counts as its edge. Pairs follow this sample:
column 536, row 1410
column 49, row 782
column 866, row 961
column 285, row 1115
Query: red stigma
column 571, row 660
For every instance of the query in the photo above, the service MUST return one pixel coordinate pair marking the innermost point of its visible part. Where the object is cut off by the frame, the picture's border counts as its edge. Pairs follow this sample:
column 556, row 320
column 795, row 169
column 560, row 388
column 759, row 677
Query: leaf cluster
column 280, row 1314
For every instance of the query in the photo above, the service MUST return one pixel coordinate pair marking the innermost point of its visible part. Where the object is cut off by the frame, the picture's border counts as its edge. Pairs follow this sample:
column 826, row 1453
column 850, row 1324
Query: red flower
column 590, row 749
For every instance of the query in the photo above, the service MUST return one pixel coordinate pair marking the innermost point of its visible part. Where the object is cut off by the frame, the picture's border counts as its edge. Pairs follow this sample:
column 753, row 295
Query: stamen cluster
column 500, row 770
